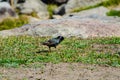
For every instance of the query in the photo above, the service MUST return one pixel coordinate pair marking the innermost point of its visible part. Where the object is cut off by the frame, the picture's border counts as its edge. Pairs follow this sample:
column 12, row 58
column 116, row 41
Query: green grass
column 10, row 23
column 24, row 50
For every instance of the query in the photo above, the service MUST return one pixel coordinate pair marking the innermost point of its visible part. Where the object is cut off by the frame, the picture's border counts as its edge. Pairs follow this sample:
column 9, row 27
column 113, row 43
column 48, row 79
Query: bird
column 53, row 42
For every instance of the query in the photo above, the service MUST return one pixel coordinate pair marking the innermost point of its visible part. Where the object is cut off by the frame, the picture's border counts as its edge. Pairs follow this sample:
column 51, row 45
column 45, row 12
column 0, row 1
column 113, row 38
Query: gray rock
column 57, row 17
column 93, row 13
column 71, row 26
column 60, row 10
column 37, row 6
column 6, row 11
column 73, row 4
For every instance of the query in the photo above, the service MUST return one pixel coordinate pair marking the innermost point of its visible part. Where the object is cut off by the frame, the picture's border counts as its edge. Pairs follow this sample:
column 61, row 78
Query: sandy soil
column 61, row 71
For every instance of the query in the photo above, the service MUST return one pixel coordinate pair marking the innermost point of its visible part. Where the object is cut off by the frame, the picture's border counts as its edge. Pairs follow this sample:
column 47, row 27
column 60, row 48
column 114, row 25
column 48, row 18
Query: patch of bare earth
column 106, row 48
column 61, row 71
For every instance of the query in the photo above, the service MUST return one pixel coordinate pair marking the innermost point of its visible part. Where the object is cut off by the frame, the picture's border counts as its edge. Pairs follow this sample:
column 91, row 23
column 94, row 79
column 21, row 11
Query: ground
column 61, row 71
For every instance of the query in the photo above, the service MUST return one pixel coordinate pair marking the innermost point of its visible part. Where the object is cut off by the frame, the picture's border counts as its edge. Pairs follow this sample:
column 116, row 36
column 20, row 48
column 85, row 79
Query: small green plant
column 113, row 13
column 110, row 2
column 33, row 14
column 10, row 23
column 50, row 9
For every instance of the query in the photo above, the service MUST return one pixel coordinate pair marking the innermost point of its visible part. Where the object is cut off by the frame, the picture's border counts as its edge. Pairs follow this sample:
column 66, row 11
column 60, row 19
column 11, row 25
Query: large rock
column 94, row 12
column 72, row 26
column 6, row 11
column 30, row 6
column 75, row 4
column 60, row 10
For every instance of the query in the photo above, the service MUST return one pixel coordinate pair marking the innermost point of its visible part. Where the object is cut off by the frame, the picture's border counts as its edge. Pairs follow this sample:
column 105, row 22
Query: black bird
column 53, row 42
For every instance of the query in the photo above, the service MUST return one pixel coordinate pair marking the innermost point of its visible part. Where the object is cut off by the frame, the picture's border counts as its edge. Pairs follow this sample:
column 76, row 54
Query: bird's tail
column 44, row 43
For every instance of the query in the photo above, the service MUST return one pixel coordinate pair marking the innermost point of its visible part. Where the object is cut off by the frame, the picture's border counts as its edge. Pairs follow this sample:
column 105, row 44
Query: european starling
column 53, row 42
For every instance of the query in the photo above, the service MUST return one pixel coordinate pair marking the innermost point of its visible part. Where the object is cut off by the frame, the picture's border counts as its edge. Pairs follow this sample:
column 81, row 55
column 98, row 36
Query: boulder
column 60, row 10
column 57, row 17
column 37, row 6
column 71, row 5
column 94, row 12
column 6, row 11
column 72, row 26
column 74, row 4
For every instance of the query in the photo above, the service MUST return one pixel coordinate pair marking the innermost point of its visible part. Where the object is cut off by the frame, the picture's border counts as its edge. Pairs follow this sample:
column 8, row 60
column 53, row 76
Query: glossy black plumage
column 53, row 42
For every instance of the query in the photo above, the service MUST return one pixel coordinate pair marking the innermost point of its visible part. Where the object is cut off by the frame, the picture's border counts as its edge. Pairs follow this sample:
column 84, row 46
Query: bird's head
column 61, row 38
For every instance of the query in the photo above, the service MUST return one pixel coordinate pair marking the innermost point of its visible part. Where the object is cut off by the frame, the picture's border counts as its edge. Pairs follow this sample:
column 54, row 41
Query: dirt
column 61, row 71
column 106, row 48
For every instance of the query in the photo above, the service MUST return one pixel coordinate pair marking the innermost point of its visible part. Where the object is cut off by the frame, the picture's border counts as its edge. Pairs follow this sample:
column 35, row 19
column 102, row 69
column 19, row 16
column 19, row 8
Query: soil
column 61, row 71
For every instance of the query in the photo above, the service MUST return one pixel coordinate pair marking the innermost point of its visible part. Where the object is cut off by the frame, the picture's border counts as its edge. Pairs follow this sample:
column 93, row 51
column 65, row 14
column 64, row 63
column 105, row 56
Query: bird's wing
column 52, row 41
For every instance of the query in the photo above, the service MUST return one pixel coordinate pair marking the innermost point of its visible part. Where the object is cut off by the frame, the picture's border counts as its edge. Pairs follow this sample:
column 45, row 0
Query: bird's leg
column 49, row 48
column 54, row 46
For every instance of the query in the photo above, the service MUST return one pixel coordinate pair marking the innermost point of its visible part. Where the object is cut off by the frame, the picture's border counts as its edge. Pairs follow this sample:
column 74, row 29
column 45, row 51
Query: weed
column 113, row 13
column 10, row 23
column 50, row 9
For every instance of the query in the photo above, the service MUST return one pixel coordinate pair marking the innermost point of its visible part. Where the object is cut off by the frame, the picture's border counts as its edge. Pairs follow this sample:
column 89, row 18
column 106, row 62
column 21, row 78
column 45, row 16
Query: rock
column 74, row 4
column 72, row 26
column 57, row 17
column 60, row 10
column 33, row 19
column 117, row 8
column 94, row 12
column 37, row 6
column 6, row 11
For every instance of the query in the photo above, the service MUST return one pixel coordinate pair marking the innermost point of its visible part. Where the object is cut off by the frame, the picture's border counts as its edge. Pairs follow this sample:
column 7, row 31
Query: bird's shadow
column 42, row 51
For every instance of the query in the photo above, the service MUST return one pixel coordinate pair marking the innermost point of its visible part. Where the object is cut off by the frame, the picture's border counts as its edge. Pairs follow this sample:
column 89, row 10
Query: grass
column 24, row 50
column 10, row 23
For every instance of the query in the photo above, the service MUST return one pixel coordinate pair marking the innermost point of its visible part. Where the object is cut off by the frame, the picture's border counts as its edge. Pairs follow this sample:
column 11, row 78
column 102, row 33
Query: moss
column 10, row 23
column 105, row 3
column 50, row 9
column 113, row 13
column 34, row 14
column 85, row 8
column 110, row 2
